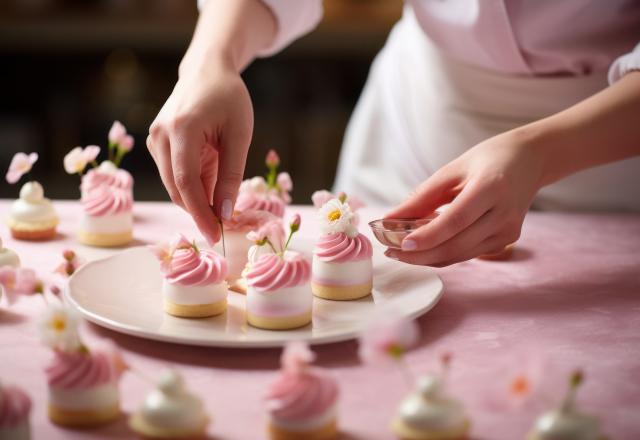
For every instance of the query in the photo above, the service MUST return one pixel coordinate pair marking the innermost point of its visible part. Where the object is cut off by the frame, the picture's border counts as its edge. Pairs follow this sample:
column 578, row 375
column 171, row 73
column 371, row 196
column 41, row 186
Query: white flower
column 77, row 159
column 59, row 328
column 336, row 217
column 284, row 182
column 258, row 184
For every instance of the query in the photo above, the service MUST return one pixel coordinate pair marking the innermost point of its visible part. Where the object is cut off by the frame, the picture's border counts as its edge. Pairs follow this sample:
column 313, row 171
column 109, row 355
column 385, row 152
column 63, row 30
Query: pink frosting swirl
column 298, row 396
column 272, row 272
column 339, row 247
column 262, row 202
column 96, row 178
column 194, row 267
column 106, row 200
column 81, row 370
column 248, row 220
column 15, row 406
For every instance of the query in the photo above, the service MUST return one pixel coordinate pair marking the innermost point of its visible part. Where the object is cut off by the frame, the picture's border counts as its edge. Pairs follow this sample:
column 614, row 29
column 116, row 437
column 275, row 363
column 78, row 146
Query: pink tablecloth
column 570, row 296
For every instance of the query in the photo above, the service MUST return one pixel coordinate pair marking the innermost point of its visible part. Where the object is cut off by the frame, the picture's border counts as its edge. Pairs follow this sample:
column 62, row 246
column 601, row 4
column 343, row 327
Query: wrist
column 204, row 62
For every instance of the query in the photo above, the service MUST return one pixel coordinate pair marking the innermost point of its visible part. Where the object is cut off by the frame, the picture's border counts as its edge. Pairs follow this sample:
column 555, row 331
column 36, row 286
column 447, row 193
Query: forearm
column 601, row 129
column 229, row 32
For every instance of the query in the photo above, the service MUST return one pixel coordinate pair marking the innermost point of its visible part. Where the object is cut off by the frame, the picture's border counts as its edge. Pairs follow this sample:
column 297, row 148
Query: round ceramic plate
column 123, row 293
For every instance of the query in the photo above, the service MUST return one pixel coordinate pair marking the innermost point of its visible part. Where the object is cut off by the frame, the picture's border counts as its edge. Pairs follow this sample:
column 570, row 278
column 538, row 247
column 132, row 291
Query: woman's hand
column 199, row 142
column 489, row 188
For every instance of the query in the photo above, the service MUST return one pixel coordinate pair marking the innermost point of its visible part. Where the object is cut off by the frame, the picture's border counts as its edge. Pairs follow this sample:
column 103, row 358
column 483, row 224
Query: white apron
column 420, row 109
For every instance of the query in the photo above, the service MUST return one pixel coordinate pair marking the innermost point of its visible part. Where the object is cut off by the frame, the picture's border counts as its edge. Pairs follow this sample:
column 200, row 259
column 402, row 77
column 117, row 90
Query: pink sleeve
column 624, row 64
column 295, row 18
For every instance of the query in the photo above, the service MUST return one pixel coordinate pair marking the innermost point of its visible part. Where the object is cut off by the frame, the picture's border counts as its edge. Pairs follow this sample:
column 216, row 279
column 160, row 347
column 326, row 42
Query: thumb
column 439, row 189
column 232, row 157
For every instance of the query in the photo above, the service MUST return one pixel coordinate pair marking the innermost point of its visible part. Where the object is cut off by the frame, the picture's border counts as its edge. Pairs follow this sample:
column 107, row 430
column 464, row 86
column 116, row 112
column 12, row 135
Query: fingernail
column 409, row 245
column 390, row 254
column 226, row 210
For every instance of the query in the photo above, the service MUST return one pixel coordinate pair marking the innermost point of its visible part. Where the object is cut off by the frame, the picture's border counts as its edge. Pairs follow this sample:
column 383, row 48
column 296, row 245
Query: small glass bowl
column 391, row 231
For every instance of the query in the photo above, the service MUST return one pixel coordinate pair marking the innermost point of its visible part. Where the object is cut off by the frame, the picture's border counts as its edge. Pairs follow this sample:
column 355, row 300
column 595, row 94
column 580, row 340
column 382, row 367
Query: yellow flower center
column 59, row 324
column 520, row 386
column 334, row 215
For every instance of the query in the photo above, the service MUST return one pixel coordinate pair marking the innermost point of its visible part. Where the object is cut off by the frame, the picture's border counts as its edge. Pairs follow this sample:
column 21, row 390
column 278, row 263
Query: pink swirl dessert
column 278, row 294
column 83, row 388
column 266, row 201
column 15, row 407
column 109, row 175
column 302, row 401
column 342, row 267
column 107, row 218
column 194, row 280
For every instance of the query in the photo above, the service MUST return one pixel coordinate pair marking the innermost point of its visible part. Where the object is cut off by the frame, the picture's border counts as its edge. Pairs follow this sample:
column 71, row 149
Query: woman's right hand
column 199, row 141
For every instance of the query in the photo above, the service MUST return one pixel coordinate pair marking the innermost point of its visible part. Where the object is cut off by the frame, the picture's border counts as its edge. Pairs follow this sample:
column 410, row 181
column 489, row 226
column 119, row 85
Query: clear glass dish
column 391, row 231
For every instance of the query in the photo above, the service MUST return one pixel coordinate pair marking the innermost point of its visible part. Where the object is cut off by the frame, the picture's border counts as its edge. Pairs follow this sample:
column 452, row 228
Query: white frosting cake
column 194, row 295
column 93, row 398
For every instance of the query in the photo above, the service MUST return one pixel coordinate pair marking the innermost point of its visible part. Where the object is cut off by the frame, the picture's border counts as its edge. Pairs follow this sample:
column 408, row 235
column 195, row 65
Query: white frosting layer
column 94, row 398
column 107, row 224
column 566, row 425
column 194, row 295
column 237, row 248
column 21, row 431
column 32, row 206
column 342, row 274
column 289, row 301
column 9, row 258
column 308, row 424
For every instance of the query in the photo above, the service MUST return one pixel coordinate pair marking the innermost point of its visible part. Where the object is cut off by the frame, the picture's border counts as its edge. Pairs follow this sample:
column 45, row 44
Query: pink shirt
column 522, row 37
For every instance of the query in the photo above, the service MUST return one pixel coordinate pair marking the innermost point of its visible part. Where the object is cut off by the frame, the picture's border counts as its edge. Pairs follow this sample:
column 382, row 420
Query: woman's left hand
column 490, row 188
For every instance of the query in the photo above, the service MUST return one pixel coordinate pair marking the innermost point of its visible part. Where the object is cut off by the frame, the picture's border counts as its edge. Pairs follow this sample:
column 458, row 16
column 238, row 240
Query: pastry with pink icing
column 194, row 283
column 302, row 402
column 83, row 383
column 269, row 193
column 278, row 292
column 106, row 191
column 15, row 407
column 342, row 267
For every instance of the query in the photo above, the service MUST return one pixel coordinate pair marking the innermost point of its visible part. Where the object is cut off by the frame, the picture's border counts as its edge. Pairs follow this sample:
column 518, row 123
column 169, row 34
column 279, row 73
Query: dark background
column 71, row 67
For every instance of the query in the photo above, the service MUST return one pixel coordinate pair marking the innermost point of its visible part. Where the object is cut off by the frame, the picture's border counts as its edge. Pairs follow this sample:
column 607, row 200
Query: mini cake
column 266, row 194
column 566, row 423
column 15, row 407
column 302, row 402
column 429, row 414
column 32, row 216
column 170, row 412
column 107, row 217
column 8, row 257
column 109, row 175
column 194, row 283
column 278, row 293
column 342, row 267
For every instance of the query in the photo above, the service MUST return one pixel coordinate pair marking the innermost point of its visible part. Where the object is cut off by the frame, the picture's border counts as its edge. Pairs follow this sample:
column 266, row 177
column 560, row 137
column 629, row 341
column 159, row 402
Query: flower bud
column 69, row 255
column 272, row 160
column 295, row 223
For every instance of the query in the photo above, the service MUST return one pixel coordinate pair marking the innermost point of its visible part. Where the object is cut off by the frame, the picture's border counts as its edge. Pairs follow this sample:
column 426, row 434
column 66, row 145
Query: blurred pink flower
column 117, row 132
column 20, row 165
column 284, row 182
column 19, row 281
column 387, row 338
column 126, row 144
column 322, row 196
column 296, row 356
column 295, row 222
column 70, row 264
column 272, row 231
column 250, row 218
column 272, row 160
column 76, row 160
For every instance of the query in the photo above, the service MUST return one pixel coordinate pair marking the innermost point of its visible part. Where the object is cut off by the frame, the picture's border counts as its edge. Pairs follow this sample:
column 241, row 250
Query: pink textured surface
column 571, row 293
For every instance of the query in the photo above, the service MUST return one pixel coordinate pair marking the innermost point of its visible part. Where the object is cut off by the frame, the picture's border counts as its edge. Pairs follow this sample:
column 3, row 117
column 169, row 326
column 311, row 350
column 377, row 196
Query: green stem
column 271, row 177
column 224, row 248
column 272, row 248
column 286, row 245
column 94, row 163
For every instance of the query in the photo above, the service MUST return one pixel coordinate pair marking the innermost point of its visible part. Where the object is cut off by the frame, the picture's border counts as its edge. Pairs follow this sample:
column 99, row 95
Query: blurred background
column 71, row 67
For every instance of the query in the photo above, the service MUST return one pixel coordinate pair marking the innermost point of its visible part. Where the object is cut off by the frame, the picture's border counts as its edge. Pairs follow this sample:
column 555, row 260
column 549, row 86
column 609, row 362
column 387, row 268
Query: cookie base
column 195, row 310
column 84, row 418
column 326, row 432
column 279, row 322
column 147, row 431
column 33, row 234
column 341, row 293
column 405, row 432
column 105, row 240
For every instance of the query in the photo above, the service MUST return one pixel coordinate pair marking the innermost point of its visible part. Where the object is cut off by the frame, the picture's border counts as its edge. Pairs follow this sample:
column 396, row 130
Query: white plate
column 123, row 293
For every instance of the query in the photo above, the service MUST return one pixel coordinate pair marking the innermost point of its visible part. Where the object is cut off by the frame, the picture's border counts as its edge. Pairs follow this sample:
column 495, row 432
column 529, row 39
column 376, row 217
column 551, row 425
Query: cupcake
column 342, row 267
column 83, row 383
column 429, row 414
column 270, row 193
column 302, row 402
column 278, row 293
column 15, row 407
column 194, row 283
column 170, row 412
column 566, row 423
column 8, row 257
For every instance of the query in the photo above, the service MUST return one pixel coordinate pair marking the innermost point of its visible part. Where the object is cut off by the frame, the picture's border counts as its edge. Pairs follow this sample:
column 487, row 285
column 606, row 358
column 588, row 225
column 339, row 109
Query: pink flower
column 19, row 281
column 284, row 182
column 126, row 144
column 272, row 160
column 116, row 133
column 295, row 223
column 250, row 218
column 77, row 159
column 20, row 165
column 272, row 231
column 320, row 197
column 296, row 356
column 164, row 251
column 387, row 338
column 70, row 264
